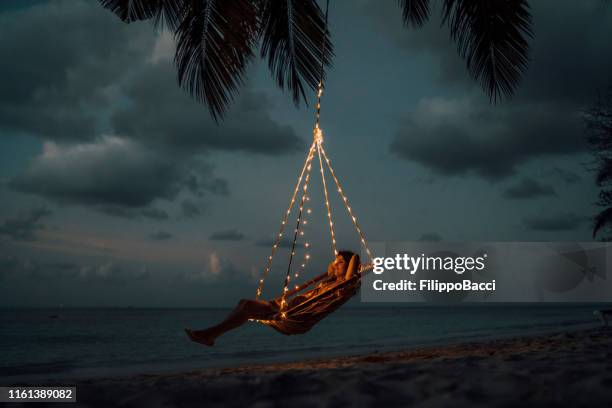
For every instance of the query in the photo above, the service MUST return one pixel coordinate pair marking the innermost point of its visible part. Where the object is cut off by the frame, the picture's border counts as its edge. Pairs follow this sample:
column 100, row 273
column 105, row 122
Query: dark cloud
column 119, row 132
column 269, row 242
column 160, row 236
column 568, row 61
column 192, row 208
column 430, row 237
column 25, row 226
column 65, row 57
column 450, row 136
column 133, row 213
column 162, row 115
column 115, row 176
column 227, row 235
column 568, row 177
column 552, row 223
column 528, row 188
column 456, row 137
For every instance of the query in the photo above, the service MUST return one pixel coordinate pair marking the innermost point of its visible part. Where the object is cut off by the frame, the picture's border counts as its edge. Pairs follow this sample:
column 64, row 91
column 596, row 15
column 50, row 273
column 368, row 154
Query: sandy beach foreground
column 568, row 369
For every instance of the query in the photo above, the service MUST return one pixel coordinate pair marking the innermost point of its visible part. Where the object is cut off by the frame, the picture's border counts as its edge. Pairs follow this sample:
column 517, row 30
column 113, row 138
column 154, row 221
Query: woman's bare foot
column 200, row 337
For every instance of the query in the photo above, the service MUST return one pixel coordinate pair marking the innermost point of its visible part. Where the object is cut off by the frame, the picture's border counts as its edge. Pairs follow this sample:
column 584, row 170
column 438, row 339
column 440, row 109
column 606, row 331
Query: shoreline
column 545, row 368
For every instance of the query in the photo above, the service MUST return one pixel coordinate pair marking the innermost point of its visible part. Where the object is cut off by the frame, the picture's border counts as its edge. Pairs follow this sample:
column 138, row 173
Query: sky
column 117, row 189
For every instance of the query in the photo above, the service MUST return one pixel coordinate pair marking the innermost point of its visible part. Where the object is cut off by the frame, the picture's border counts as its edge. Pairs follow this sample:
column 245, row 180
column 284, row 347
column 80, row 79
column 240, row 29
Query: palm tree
column 216, row 39
column 598, row 121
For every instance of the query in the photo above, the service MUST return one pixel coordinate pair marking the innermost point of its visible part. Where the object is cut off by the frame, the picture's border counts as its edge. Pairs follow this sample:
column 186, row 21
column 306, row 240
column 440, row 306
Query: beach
column 569, row 368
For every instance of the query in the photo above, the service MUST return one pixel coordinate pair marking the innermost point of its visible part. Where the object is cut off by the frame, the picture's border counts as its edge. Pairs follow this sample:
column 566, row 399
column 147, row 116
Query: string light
column 306, row 167
column 329, row 215
column 300, row 221
column 345, row 200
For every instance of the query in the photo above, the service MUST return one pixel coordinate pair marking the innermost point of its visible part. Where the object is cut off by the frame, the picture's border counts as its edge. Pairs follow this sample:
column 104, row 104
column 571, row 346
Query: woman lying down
column 342, row 268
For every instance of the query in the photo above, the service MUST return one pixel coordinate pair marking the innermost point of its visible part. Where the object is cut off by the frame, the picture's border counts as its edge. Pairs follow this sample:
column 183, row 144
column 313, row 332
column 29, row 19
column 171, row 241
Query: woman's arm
column 353, row 267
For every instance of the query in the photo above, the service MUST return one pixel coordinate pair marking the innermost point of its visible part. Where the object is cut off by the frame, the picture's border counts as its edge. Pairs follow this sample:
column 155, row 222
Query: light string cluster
column 284, row 222
column 329, row 215
column 301, row 218
column 346, row 204
column 301, row 221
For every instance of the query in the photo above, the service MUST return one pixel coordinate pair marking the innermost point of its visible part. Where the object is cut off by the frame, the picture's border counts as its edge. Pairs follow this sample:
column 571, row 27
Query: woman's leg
column 245, row 310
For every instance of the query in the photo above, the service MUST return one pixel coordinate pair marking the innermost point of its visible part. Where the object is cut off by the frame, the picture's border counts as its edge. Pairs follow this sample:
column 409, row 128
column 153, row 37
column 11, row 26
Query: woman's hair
column 347, row 255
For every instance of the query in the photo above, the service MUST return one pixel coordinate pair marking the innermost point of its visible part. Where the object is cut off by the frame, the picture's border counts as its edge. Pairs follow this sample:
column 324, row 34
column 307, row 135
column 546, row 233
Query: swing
column 299, row 318
column 295, row 316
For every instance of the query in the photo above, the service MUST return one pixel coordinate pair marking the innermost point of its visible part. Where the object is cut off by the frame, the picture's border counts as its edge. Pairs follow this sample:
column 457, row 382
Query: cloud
column 133, row 213
column 192, row 208
column 268, row 242
column 528, row 188
column 216, row 269
column 568, row 177
column 116, row 176
column 160, row 236
column 568, row 61
column 119, row 134
column 227, row 235
column 112, row 273
column 109, row 272
column 25, row 226
column 65, row 58
column 468, row 136
column 552, row 223
column 162, row 115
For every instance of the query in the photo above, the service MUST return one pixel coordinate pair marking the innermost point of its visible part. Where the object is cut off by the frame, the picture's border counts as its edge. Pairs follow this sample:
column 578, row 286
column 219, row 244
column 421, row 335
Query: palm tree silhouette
column 216, row 39
column 598, row 120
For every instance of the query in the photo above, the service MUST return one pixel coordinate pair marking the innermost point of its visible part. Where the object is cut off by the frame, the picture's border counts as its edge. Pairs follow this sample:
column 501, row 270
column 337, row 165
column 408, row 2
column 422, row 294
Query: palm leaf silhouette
column 602, row 219
column 164, row 12
column 604, row 173
column 492, row 36
column 214, row 45
column 414, row 12
column 216, row 39
column 296, row 43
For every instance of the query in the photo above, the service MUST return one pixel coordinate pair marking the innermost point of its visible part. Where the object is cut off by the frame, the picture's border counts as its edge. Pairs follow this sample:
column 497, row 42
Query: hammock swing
column 298, row 318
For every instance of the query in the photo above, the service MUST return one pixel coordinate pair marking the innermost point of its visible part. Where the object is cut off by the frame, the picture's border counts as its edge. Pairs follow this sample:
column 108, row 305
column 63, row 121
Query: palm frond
column 604, row 218
column 296, row 43
column 163, row 12
column 492, row 36
column 415, row 12
column 214, row 46
column 604, row 173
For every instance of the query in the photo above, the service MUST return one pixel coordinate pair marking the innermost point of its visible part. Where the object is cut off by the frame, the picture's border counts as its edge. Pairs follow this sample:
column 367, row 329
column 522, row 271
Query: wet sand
column 565, row 369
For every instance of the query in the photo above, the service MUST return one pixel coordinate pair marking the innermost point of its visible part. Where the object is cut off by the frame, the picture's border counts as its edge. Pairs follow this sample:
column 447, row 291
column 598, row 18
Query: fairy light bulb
column 304, row 175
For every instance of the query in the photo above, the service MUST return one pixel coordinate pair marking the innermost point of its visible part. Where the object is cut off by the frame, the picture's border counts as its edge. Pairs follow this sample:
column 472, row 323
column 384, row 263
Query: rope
column 346, row 204
column 329, row 215
column 266, row 271
column 295, row 236
column 321, row 73
column 318, row 144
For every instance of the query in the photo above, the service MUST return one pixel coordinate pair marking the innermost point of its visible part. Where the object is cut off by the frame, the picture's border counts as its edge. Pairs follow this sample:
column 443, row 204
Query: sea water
column 56, row 344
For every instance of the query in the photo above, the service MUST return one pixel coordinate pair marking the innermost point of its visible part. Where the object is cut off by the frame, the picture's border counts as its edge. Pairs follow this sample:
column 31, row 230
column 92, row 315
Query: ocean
column 56, row 344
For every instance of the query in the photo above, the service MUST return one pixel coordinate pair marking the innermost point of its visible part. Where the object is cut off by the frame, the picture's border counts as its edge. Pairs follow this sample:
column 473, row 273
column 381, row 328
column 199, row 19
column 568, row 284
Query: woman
column 343, row 267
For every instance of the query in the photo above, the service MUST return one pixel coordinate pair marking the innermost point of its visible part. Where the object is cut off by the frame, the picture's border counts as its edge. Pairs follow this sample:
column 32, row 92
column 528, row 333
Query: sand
column 565, row 369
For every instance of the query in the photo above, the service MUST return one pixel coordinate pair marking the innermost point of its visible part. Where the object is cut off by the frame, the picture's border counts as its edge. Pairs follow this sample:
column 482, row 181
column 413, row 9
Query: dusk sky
column 117, row 189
